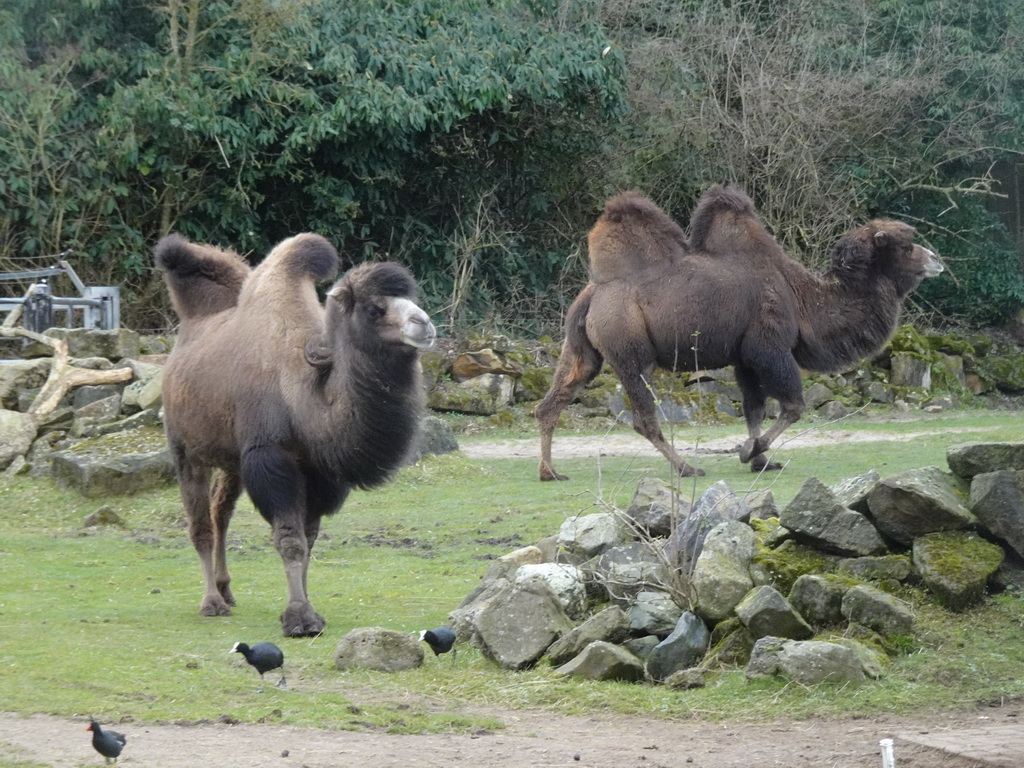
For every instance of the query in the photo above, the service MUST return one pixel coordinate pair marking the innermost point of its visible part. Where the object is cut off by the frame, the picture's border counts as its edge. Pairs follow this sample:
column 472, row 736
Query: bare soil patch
column 529, row 740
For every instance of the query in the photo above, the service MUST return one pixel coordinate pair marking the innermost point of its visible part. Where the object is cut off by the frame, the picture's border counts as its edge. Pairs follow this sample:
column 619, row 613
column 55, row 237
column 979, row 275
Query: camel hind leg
column 578, row 364
column 227, row 487
column 194, row 481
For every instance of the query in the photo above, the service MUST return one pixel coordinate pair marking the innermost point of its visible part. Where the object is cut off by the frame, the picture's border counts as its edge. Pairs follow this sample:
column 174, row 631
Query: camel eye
column 375, row 310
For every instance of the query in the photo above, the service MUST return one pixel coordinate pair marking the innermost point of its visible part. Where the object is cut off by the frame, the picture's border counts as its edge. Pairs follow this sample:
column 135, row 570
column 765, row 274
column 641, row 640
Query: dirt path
column 529, row 740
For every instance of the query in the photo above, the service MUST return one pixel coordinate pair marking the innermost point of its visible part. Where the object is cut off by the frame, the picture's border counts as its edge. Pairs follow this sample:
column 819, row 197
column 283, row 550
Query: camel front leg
column 227, row 486
column 278, row 488
column 787, row 387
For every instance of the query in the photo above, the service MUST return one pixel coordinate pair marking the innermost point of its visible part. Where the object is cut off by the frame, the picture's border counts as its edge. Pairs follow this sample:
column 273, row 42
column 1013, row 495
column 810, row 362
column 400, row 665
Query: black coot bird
column 265, row 657
column 107, row 743
column 440, row 640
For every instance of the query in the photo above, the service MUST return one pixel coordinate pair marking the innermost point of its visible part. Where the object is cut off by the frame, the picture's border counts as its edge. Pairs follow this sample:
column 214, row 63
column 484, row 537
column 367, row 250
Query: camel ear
column 343, row 294
column 319, row 353
column 881, row 238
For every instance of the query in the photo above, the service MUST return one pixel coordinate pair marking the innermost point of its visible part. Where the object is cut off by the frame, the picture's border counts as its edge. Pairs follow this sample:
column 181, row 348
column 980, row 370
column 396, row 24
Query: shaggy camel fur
column 730, row 297
column 297, row 403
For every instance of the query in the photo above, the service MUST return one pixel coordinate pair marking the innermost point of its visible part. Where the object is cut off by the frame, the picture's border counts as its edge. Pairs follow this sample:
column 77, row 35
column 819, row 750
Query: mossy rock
column 1005, row 372
column 956, row 566
column 533, row 384
column 907, row 340
column 789, row 561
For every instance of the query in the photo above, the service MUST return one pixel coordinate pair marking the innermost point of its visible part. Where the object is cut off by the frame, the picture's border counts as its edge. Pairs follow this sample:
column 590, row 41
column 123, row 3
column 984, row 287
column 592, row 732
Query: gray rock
column 112, row 345
column 653, row 613
column 16, row 376
column 482, row 395
column 80, row 397
column 17, row 431
column 816, row 517
column 519, row 624
column 807, row 662
column 878, row 610
column 731, row 644
column 761, row 504
column 852, row 492
column 894, row 567
column 685, row 680
column 434, row 438
column 102, row 516
column 96, row 413
column 918, row 502
column 610, row 625
column 564, row 581
column 873, row 661
column 997, row 500
column 970, row 459
column 718, row 504
column 680, row 650
column 462, row 619
column 816, row 396
column 910, row 371
column 585, row 536
column 113, row 465
column 877, row 392
column 721, row 576
column 833, row 411
column 765, row 612
column 625, row 570
column 505, row 567
column 656, row 507
column 819, row 598
column 382, row 650
column 641, row 647
column 604, row 661
column 956, row 566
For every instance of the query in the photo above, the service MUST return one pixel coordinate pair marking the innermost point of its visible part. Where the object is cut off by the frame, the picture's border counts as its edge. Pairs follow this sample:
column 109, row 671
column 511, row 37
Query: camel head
column 883, row 248
column 372, row 308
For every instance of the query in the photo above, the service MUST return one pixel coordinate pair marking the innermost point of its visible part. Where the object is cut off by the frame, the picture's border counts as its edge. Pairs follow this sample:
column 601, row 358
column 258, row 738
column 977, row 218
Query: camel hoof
column 213, row 607
column 302, row 621
column 760, row 463
column 546, row 477
column 687, row 471
column 749, row 450
column 225, row 593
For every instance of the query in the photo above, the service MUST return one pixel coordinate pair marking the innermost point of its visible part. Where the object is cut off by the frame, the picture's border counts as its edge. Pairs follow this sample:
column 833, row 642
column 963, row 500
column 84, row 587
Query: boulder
column 627, row 569
column 878, row 610
column 819, row 598
column 641, row 647
column 853, row 492
column 761, row 504
column 910, row 371
column 956, row 566
column 731, row 644
column 505, row 567
column 17, row 376
column 807, row 662
column 604, row 661
column 765, row 612
column 584, row 536
column 970, row 459
column 816, row 517
column 610, row 625
column 721, row 576
column 462, row 619
column 884, row 568
column 434, row 438
column 656, row 507
column 718, row 504
column 565, row 582
column 382, row 650
column 653, row 613
column 115, row 464
column 919, row 502
column 519, row 624
column 86, row 342
column 469, row 365
column 997, row 500
column 17, row 431
column 483, row 395
column 682, row 649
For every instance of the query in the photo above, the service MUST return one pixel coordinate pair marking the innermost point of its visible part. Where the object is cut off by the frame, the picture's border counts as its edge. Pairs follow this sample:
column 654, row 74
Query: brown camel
column 731, row 296
column 295, row 402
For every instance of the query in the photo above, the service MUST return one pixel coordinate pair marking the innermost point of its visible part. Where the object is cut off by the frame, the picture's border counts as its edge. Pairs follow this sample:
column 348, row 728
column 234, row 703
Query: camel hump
column 632, row 233
column 305, row 255
column 719, row 200
column 202, row 279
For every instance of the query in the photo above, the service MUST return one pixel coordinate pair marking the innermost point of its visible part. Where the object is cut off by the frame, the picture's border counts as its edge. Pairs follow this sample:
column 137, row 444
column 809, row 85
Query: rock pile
column 809, row 592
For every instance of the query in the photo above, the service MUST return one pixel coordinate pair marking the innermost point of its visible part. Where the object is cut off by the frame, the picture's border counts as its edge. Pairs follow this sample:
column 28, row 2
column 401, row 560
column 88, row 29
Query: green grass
column 104, row 621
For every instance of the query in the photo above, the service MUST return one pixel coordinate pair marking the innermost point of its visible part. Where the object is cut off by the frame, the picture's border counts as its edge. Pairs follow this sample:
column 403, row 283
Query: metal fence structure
column 96, row 307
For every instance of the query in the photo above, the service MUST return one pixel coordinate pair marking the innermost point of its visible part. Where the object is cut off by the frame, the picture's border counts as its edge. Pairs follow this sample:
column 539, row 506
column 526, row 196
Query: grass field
column 103, row 621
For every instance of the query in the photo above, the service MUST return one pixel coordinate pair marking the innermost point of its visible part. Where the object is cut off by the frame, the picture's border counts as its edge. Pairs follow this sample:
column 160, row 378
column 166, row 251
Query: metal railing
column 95, row 307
